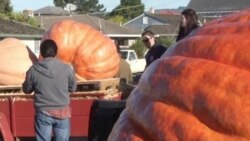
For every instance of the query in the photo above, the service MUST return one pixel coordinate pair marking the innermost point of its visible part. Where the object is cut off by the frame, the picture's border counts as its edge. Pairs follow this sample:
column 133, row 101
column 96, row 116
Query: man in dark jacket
column 51, row 81
column 155, row 50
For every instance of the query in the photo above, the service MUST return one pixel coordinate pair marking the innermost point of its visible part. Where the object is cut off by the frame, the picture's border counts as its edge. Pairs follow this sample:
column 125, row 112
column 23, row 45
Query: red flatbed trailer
column 19, row 111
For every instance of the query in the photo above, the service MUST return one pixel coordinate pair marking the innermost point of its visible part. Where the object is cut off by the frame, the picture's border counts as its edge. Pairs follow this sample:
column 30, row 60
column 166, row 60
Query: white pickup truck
column 136, row 65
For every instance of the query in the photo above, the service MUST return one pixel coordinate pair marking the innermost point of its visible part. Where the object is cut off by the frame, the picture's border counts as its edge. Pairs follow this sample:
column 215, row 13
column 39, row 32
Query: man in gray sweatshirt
column 51, row 81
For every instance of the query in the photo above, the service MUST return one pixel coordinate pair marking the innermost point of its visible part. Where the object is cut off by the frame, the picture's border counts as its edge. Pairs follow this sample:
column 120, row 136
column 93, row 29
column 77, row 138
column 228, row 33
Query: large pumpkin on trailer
column 16, row 59
column 92, row 55
column 198, row 91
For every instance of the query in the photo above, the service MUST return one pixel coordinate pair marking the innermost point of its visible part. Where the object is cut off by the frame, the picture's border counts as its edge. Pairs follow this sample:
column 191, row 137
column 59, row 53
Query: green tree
column 19, row 17
column 90, row 6
column 59, row 3
column 6, row 12
column 5, row 6
column 166, row 40
column 139, row 48
column 129, row 9
column 83, row 6
column 118, row 19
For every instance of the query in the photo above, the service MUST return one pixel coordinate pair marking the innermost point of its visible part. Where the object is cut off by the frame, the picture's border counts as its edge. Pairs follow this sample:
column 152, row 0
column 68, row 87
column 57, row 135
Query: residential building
column 211, row 9
column 51, row 11
column 29, row 35
column 161, row 24
column 116, row 32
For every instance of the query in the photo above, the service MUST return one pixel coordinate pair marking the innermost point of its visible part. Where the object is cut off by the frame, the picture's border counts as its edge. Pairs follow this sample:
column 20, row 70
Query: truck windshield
column 124, row 55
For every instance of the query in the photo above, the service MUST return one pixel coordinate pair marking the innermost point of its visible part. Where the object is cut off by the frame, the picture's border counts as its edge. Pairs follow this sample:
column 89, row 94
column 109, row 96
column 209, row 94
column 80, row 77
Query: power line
column 123, row 14
column 169, row 3
column 130, row 13
column 128, row 7
column 119, row 9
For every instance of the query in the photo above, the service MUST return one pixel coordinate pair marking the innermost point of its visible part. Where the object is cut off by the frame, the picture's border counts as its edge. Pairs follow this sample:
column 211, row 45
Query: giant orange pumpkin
column 92, row 54
column 16, row 59
column 198, row 91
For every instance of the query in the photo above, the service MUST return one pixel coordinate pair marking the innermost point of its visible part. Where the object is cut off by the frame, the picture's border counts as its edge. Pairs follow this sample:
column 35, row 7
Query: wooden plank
column 2, row 87
column 10, row 88
column 77, row 95
column 101, row 85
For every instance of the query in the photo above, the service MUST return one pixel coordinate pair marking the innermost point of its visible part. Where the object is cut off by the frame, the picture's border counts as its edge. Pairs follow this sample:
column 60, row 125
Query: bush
column 19, row 17
column 140, row 49
column 166, row 41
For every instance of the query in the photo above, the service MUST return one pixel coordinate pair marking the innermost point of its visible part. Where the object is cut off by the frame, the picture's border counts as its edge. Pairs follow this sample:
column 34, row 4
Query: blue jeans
column 44, row 125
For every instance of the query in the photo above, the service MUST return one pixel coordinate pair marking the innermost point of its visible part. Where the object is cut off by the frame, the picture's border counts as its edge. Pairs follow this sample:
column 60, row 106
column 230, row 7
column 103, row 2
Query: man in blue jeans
column 51, row 81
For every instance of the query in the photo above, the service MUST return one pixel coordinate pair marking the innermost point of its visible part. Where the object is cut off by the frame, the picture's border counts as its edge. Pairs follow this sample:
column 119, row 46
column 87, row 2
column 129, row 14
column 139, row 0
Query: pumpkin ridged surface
column 163, row 121
column 222, row 29
column 198, row 95
column 199, row 90
column 130, row 130
column 92, row 55
column 243, row 16
column 16, row 59
column 211, row 48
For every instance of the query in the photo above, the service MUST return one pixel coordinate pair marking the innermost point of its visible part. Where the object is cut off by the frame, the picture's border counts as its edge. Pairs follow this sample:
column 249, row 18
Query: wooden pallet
column 98, row 85
column 101, row 85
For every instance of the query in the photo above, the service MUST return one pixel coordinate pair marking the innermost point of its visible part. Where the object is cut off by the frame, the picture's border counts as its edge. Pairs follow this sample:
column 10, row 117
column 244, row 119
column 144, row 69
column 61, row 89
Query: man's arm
column 27, row 85
column 72, row 82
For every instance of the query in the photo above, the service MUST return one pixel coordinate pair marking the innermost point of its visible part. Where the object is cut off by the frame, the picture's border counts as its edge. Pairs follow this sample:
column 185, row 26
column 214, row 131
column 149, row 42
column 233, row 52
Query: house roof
column 167, row 12
column 171, row 29
column 218, row 5
column 107, row 27
column 51, row 10
column 165, row 18
column 13, row 28
column 168, row 24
